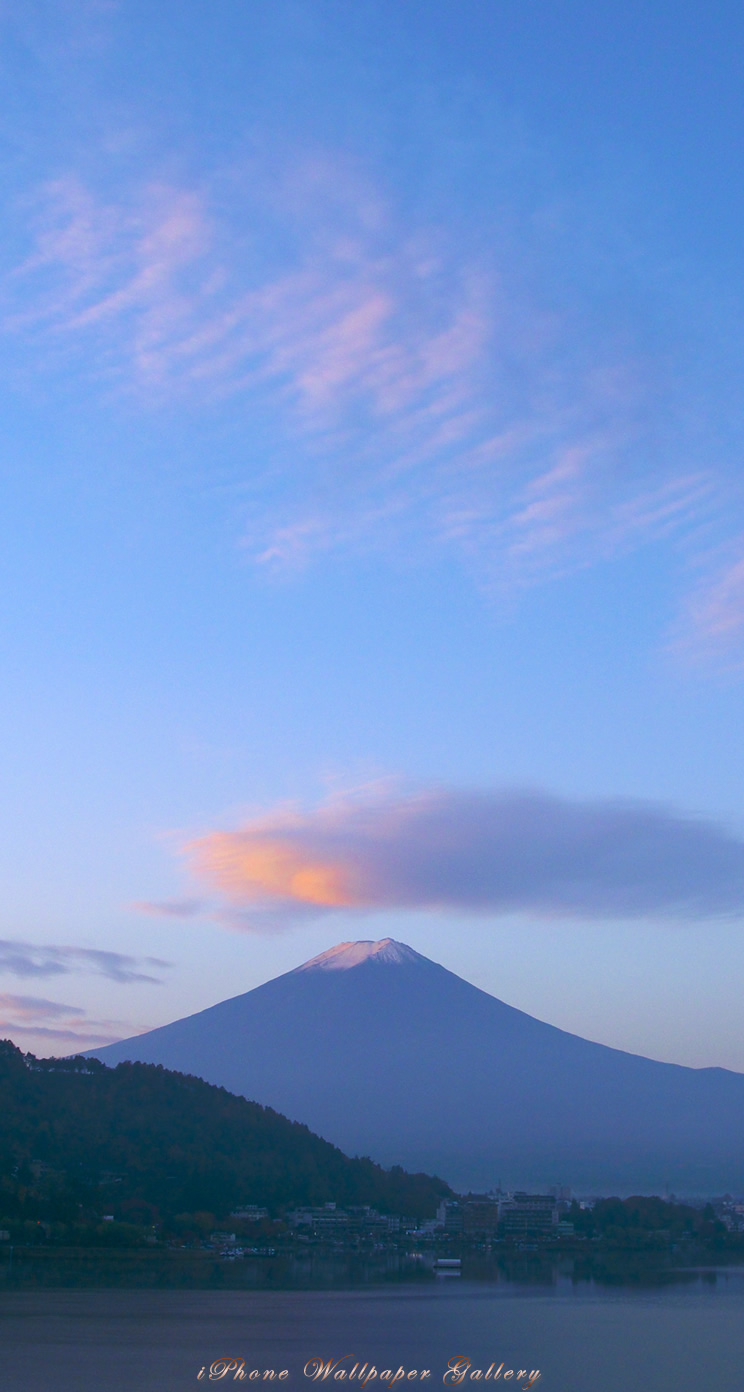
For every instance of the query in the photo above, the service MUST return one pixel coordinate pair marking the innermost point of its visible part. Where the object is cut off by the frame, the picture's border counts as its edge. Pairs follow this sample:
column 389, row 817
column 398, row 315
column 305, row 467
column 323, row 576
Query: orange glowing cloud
column 245, row 865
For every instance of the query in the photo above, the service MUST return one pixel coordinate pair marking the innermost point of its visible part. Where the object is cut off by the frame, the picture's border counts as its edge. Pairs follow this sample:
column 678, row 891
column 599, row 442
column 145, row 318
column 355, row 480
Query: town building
column 529, row 1215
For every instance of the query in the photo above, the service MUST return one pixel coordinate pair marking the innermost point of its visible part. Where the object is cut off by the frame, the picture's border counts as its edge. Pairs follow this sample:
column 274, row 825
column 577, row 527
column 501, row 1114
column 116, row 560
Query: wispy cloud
column 32, row 959
column 35, row 1015
column 170, row 908
column 478, row 852
column 713, row 623
column 109, row 274
column 409, row 390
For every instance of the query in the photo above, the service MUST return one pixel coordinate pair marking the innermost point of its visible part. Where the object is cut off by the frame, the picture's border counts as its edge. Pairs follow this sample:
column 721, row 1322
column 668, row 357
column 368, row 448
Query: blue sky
column 372, row 417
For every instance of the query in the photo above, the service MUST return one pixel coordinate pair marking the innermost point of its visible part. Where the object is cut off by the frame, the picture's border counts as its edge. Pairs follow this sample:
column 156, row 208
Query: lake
column 583, row 1337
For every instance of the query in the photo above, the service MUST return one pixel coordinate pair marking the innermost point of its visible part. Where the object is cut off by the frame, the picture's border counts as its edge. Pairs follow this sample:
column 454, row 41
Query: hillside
column 138, row 1137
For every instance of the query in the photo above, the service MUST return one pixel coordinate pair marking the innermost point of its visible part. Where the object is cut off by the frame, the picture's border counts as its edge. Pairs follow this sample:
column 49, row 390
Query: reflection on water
column 319, row 1270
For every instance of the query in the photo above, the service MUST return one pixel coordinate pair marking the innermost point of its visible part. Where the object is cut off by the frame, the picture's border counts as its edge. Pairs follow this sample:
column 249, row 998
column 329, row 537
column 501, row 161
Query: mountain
column 137, row 1135
column 387, row 1054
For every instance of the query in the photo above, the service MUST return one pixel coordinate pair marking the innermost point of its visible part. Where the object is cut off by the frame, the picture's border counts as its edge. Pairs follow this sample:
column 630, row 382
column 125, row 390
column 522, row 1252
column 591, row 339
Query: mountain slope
column 387, row 1054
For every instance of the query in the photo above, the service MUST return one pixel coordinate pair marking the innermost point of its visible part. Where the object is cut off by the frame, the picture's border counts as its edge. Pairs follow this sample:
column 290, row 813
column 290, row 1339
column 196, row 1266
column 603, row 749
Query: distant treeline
column 79, row 1140
column 638, row 1221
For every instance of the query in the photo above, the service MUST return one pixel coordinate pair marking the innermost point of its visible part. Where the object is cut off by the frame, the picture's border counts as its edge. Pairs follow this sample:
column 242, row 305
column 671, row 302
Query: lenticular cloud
column 480, row 852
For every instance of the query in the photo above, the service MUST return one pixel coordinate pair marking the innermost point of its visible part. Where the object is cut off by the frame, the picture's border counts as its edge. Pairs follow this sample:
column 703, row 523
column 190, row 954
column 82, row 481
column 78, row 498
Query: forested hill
column 139, row 1132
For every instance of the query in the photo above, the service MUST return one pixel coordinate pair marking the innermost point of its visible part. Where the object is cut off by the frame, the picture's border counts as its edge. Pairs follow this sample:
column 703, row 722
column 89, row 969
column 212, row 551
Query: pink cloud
column 110, row 273
column 712, row 626
column 410, row 392
column 35, row 1007
column 37, row 1016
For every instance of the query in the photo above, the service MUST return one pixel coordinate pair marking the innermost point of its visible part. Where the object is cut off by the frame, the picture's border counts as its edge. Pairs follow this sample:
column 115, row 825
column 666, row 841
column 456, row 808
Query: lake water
column 583, row 1338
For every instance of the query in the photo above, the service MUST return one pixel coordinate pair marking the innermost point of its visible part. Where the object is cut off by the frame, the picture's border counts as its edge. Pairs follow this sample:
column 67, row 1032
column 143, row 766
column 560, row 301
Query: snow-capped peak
column 352, row 954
